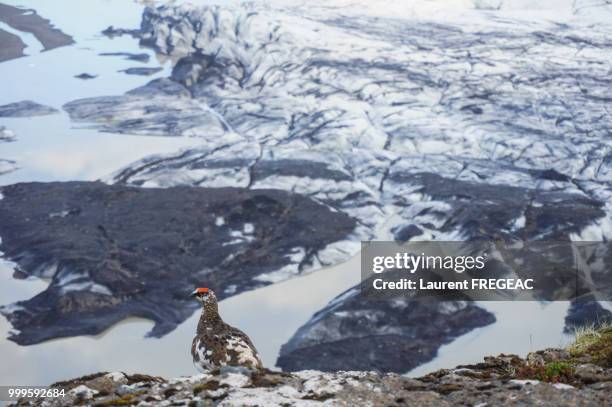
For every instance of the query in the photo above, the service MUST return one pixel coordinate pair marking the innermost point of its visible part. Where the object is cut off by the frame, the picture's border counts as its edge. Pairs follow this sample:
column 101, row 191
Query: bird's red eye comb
column 202, row 290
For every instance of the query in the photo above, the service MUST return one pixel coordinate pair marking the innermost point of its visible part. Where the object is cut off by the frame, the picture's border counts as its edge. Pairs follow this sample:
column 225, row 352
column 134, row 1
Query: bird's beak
column 193, row 294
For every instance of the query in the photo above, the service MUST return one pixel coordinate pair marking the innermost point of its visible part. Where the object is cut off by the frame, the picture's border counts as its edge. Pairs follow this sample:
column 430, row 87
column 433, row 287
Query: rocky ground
column 580, row 375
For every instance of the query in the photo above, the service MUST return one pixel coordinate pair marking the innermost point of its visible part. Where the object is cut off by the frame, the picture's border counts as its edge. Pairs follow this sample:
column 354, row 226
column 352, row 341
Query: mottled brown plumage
column 217, row 344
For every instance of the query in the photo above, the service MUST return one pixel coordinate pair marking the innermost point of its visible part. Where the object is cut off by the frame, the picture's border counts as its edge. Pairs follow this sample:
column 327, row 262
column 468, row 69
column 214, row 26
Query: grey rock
column 25, row 108
column 109, row 383
column 543, row 357
column 589, row 373
column 539, row 394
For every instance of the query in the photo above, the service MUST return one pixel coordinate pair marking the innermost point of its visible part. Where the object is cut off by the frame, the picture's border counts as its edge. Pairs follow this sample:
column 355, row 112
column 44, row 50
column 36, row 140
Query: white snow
column 83, row 392
column 525, row 382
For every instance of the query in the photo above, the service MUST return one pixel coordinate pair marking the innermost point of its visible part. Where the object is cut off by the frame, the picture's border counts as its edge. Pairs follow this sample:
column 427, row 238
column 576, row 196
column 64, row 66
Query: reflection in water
column 521, row 327
column 33, row 46
column 269, row 316
column 47, row 149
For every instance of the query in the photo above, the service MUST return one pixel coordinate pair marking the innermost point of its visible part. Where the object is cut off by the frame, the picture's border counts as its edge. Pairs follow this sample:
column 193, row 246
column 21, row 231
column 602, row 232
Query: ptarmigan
column 217, row 344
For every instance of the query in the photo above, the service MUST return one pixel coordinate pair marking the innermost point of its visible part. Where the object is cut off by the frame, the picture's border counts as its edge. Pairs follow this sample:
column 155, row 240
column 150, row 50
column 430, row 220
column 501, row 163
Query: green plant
column 594, row 343
column 553, row 372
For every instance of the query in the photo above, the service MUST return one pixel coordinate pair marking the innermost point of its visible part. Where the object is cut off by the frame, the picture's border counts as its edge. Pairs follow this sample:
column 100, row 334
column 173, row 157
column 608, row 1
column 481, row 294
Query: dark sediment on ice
column 390, row 335
column 113, row 252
